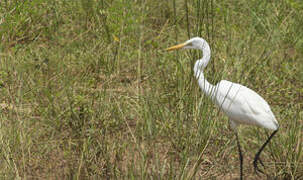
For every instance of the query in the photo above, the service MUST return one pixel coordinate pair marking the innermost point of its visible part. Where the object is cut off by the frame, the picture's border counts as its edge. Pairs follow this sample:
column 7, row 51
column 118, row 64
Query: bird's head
column 196, row 43
column 193, row 43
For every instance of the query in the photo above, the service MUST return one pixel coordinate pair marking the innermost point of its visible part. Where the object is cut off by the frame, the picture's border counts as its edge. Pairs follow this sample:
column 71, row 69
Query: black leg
column 257, row 157
column 240, row 157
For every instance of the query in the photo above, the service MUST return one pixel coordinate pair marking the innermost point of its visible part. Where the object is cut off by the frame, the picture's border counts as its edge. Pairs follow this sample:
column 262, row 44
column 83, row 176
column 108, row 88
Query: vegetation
column 87, row 91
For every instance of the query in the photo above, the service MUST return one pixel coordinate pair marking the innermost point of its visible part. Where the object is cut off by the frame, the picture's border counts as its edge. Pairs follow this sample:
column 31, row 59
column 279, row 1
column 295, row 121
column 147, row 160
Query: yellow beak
column 175, row 47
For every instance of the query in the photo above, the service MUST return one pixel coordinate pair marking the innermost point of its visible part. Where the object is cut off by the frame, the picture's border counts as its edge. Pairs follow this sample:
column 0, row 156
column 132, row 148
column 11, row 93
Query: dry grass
column 87, row 91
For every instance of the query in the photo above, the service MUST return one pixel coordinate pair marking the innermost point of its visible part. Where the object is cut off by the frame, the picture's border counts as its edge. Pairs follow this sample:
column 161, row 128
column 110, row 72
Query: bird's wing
column 243, row 97
column 254, row 101
column 244, row 105
column 259, row 109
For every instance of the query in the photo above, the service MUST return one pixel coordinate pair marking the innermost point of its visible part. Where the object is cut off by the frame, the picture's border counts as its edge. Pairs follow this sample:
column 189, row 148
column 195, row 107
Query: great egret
column 241, row 104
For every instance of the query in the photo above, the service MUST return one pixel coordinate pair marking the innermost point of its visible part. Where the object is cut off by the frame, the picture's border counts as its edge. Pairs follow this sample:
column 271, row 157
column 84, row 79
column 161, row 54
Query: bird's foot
column 257, row 169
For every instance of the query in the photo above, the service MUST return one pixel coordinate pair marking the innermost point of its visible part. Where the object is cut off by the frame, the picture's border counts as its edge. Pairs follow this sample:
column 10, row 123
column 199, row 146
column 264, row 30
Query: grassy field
column 87, row 90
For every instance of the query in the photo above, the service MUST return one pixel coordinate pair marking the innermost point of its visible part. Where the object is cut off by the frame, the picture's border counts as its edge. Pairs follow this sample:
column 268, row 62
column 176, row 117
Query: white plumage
column 244, row 106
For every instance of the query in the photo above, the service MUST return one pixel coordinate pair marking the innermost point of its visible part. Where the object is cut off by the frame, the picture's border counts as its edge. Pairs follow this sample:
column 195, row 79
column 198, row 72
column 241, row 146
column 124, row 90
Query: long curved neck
column 206, row 87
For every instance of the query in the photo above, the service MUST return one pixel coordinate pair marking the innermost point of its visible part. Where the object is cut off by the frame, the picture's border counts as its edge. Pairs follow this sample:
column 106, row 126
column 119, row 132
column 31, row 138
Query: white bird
column 241, row 104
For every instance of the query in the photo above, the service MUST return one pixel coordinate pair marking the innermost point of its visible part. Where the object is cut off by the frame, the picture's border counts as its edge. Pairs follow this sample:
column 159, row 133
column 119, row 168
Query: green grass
column 87, row 90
